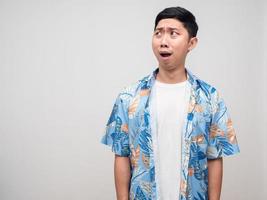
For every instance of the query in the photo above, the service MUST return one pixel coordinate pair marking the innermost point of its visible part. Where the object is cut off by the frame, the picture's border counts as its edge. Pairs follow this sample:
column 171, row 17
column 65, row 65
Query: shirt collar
column 149, row 81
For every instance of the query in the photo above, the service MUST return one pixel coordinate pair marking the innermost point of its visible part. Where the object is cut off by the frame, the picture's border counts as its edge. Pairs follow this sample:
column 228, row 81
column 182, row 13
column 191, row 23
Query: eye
column 174, row 33
column 157, row 33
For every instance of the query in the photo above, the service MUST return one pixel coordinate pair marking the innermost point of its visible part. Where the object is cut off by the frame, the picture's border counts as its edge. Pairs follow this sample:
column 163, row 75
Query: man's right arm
column 122, row 175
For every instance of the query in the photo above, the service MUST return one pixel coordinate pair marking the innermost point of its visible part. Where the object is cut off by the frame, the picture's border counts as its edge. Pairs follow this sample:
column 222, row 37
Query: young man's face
column 171, row 43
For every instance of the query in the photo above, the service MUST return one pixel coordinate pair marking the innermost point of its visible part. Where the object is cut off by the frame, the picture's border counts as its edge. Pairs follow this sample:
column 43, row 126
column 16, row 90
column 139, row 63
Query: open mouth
column 165, row 54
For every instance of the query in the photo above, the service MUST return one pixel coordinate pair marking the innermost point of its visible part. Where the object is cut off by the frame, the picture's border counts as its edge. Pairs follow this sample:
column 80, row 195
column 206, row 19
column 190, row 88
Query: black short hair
column 181, row 14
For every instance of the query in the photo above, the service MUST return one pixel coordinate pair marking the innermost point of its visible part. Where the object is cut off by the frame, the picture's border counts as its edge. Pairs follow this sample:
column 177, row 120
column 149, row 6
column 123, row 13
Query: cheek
column 180, row 46
column 154, row 46
column 154, row 42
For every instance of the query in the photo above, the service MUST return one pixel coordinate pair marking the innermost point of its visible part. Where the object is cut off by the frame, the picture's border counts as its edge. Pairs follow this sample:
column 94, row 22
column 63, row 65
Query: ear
column 192, row 43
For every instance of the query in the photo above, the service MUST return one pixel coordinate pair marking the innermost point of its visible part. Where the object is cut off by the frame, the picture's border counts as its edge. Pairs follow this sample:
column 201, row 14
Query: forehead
column 170, row 23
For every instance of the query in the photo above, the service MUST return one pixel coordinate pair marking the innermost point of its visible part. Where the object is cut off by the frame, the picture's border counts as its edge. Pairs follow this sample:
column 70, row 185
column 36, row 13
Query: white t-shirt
column 169, row 107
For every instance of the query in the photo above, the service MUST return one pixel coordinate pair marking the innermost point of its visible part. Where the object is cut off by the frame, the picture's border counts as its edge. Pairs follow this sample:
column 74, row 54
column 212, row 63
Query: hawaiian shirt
column 208, row 133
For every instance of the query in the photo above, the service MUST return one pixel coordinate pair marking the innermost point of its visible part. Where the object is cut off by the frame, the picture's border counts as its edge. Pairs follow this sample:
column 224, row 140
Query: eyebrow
column 170, row 28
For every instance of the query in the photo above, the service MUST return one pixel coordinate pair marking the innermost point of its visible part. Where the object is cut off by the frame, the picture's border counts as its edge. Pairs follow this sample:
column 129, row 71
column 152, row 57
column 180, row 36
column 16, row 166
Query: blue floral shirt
column 208, row 133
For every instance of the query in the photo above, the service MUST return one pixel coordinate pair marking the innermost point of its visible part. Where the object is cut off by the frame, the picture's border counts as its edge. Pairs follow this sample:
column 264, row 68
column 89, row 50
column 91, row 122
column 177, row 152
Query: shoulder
column 130, row 91
column 204, row 88
column 207, row 88
column 209, row 95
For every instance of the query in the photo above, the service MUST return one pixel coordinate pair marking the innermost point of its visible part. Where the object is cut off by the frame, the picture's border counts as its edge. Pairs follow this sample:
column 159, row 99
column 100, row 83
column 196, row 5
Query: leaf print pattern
column 135, row 156
column 190, row 171
column 139, row 194
column 144, row 92
column 124, row 128
column 146, row 187
column 199, row 108
column 112, row 116
column 231, row 132
column 199, row 139
column 196, row 156
column 133, row 106
column 183, row 187
column 145, row 160
column 208, row 134
column 215, row 131
column 145, row 142
column 152, row 174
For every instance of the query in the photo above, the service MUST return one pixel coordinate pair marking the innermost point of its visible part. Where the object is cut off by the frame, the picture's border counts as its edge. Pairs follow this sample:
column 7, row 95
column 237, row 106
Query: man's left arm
column 222, row 143
column 215, row 173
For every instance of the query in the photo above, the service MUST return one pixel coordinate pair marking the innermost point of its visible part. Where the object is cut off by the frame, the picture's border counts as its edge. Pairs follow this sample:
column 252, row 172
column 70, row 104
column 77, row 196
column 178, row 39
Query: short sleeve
column 222, row 137
column 116, row 134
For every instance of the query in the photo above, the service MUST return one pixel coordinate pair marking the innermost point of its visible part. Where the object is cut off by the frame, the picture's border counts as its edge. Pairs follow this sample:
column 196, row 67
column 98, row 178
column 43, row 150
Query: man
column 170, row 130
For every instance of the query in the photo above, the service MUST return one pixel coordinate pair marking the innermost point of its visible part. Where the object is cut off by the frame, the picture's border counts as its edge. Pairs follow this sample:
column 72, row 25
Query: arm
column 215, row 173
column 122, row 177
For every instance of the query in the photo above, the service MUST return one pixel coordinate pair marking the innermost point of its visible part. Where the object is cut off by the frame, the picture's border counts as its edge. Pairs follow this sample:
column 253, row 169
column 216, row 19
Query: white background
column 62, row 63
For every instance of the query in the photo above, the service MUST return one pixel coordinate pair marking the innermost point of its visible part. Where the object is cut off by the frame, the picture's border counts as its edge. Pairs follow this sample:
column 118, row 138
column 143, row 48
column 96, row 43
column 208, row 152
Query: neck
column 175, row 75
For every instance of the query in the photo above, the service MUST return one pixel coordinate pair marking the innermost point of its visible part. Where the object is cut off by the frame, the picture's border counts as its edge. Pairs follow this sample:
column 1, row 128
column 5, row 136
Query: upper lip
column 165, row 52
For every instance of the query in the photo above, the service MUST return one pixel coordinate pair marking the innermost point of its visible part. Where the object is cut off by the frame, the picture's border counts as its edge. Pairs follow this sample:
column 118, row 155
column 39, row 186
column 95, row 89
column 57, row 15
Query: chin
column 168, row 67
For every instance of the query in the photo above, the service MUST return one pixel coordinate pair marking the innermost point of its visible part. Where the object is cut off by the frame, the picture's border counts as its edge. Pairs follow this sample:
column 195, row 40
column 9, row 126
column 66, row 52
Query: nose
column 164, row 42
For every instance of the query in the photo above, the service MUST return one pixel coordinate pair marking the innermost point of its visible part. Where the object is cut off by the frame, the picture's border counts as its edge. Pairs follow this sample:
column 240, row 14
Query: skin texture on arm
column 215, row 173
column 122, row 175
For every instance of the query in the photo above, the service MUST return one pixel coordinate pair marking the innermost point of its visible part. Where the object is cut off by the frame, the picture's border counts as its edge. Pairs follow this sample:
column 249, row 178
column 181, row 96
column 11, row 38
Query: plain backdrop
column 63, row 62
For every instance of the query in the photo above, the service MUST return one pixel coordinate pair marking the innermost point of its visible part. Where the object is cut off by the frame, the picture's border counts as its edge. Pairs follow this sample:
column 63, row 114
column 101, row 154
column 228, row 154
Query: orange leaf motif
column 198, row 138
column 135, row 156
column 215, row 131
column 183, row 187
column 133, row 106
column 144, row 92
column 231, row 132
column 199, row 108
column 124, row 128
column 145, row 160
column 191, row 171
